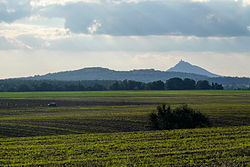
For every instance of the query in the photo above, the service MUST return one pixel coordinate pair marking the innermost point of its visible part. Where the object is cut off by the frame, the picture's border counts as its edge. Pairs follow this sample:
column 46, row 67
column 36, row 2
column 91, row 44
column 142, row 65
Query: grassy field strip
column 73, row 111
column 223, row 109
column 35, row 126
column 65, row 120
column 122, row 94
column 136, row 135
column 190, row 147
column 153, row 144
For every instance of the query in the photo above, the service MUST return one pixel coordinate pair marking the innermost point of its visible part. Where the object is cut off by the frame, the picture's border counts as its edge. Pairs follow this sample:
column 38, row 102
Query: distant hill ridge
column 181, row 70
column 183, row 66
column 99, row 73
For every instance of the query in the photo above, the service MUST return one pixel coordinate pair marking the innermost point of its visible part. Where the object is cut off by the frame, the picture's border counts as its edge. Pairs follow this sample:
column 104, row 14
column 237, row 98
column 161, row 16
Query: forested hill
column 98, row 73
column 186, row 67
column 13, row 85
column 147, row 75
column 231, row 81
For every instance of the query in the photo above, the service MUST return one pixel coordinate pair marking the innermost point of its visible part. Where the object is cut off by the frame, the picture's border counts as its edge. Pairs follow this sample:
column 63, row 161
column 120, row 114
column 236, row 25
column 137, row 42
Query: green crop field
column 111, row 128
column 121, row 94
column 199, row 147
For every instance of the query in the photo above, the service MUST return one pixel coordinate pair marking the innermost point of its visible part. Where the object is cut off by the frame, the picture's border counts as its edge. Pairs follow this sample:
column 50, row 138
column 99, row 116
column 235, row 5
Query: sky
column 44, row 36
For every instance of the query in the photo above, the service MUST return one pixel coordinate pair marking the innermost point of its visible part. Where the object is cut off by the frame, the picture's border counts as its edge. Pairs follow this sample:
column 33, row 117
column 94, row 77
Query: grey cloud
column 99, row 43
column 151, row 44
column 33, row 42
column 216, row 18
column 4, row 44
column 12, row 10
column 9, row 44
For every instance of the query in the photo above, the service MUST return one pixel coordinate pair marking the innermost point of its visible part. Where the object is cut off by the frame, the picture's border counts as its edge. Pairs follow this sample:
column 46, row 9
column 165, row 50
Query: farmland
column 213, row 147
column 111, row 128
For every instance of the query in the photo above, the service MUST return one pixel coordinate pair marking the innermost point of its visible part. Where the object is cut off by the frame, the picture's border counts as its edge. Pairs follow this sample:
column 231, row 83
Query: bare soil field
column 26, row 103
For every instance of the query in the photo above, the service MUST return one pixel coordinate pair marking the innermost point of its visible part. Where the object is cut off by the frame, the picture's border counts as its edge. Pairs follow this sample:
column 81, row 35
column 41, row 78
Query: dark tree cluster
column 171, row 84
column 102, row 85
column 238, row 87
column 189, row 84
column 184, row 117
column 134, row 85
column 127, row 85
column 51, row 85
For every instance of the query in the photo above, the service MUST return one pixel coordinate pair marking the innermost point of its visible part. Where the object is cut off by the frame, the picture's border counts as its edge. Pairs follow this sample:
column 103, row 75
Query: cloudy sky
column 42, row 36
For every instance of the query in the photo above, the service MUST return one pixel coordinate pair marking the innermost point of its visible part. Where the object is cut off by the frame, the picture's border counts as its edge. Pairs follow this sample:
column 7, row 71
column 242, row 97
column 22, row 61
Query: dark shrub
column 182, row 117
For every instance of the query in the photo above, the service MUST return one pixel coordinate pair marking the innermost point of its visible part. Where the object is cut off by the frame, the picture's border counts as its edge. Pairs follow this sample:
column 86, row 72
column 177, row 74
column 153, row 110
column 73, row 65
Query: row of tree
column 14, row 85
column 238, row 87
column 51, row 85
column 171, row 84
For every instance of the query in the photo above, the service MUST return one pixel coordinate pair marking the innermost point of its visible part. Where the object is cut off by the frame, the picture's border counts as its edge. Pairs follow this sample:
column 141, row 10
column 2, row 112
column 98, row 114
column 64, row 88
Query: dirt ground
column 23, row 103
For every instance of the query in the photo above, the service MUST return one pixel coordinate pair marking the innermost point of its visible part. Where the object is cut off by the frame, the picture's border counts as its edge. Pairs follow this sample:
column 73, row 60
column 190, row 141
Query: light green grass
column 121, row 94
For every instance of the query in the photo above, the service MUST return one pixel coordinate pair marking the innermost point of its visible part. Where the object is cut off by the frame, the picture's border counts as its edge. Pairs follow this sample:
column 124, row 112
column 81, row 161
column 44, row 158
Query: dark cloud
column 168, row 17
column 12, row 10
column 217, row 18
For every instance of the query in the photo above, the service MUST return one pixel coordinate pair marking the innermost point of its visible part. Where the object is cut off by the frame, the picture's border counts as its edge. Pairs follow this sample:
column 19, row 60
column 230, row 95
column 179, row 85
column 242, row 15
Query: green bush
column 182, row 117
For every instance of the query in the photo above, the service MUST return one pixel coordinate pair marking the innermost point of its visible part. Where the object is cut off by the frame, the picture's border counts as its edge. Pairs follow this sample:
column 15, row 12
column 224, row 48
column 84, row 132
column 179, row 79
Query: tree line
column 171, row 84
column 102, row 85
